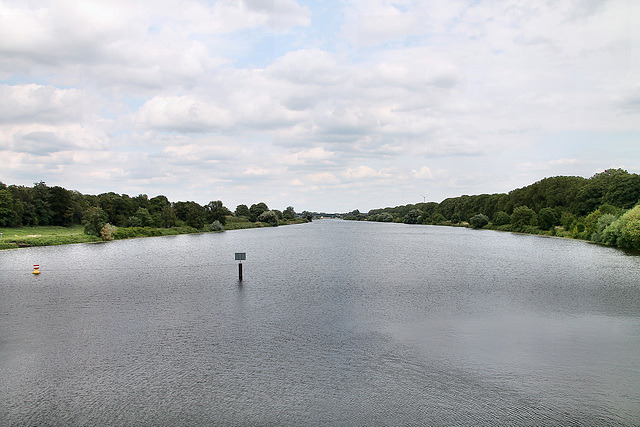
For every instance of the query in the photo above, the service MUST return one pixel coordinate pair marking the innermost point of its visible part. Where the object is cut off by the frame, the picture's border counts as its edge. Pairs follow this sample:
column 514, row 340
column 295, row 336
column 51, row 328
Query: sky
column 325, row 106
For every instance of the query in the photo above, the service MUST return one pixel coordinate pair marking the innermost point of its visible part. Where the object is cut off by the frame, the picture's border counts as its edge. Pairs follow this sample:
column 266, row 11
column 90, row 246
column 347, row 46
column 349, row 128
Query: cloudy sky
column 324, row 105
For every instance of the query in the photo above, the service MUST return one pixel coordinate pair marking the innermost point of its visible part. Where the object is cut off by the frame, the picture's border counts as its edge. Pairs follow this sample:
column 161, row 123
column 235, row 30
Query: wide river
column 335, row 323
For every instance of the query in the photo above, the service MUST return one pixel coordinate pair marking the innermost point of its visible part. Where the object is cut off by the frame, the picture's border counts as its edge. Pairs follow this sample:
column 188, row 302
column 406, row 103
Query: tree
column 41, row 196
column 242, row 210
column 289, row 213
column 625, row 231
column 215, row 211
column 191, row 213
column 216, row 226
column 94, row 219
column 479, row 220
column 413, row 217
column 142, row 218
column 501, row 218
column 62, row 206
column 256, row 210
column 547, row 218
column 522, row 216
column 168, row 217
column 7, row 212
column 270, row 217
column 307, row 215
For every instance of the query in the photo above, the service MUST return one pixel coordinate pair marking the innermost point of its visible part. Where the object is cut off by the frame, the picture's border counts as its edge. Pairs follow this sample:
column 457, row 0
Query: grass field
column 43, row 236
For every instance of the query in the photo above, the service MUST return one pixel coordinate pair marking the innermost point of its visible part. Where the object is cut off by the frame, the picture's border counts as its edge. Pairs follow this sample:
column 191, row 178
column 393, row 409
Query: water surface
column 335, row 322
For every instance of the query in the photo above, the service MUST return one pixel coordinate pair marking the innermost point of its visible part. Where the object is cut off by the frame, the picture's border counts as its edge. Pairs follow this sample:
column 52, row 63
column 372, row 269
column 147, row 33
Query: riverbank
column 22, row 237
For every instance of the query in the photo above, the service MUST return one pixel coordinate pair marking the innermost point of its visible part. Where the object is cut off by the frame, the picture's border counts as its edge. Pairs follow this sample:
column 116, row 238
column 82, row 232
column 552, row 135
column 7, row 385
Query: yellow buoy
column 36, row 269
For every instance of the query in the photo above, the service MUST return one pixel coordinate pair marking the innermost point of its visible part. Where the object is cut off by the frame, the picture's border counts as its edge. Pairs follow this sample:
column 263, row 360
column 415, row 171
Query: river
column 335, row 323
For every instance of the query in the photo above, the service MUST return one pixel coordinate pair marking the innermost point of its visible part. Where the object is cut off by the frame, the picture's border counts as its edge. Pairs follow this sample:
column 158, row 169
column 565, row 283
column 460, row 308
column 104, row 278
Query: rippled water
column 335, row 322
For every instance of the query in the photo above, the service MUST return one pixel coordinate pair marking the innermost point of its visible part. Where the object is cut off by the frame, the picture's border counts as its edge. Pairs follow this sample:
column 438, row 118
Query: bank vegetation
column 42, row 215
column 604, row 209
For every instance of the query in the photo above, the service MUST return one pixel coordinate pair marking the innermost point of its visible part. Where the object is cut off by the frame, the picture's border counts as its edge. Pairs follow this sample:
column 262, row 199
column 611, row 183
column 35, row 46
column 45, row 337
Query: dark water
column 336, row 322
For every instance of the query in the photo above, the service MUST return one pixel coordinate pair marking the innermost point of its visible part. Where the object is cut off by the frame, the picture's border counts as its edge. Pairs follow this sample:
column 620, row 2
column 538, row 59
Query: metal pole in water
column 240, row 272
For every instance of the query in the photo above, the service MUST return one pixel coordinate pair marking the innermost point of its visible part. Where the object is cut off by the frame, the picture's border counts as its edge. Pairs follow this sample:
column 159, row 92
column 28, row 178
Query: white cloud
column 159, row 97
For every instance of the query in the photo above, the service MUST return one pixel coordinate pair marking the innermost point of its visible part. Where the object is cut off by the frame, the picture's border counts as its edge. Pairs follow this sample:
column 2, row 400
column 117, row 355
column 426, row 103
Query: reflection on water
column 335, row 323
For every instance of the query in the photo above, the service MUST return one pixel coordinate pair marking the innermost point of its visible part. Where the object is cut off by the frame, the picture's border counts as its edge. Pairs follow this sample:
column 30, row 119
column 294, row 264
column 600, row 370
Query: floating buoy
column 36, row 269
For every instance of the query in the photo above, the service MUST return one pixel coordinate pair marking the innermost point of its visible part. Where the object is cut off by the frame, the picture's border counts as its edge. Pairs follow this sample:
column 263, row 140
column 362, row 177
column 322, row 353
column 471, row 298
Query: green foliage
column 289, row 213
column 603, row 222
column 501, row 218
column 547, row 218
column 269, row 217
column 521, row 217
column 479, row 220
column 413, row 217
column 94, row 219
column 215, row 211
column 625, row 231
column 216, row 226
column 256, row 210
column 191, row 213
column 7, row 213
column 242, row 210
column 437, row 218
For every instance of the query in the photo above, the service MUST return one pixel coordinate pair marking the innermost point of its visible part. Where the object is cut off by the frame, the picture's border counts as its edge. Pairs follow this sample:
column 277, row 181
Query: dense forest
column 44, row 205
column 603, row 208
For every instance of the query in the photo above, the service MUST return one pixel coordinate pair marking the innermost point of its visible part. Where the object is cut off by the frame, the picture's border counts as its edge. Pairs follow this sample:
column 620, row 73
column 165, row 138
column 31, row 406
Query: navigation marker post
column 240, row 256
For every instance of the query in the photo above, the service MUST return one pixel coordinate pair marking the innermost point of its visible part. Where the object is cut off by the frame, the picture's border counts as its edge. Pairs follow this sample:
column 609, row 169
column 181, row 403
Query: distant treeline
column 44, row 205
column 600, row 208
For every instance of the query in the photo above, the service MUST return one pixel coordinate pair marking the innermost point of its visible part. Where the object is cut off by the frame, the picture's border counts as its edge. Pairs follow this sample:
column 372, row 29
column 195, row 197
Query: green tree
column 7, row 212
column 603, row 222
column 242, row 210
column 547, row 218
column 437, row 218
column 216, row 226
column 168, row 217
column 215, row 211
column 41, row 195
column 191, row 213
column 522, row 216
column 256, row 210
column 94, row 219
column 625, row 231
column 270, row 217
column 479, row 220
column 141, row 218
column 501, row 218
column 289, row 213
column 413, row 217
column 62, row 206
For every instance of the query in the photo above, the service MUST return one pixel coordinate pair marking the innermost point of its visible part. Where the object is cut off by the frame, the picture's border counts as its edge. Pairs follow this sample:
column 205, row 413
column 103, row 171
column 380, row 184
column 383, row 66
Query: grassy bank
column 20, row 237
column 13, row 238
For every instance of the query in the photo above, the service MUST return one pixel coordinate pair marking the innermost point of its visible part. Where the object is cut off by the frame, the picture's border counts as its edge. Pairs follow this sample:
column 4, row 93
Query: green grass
column 20, row 237
column 43, row 236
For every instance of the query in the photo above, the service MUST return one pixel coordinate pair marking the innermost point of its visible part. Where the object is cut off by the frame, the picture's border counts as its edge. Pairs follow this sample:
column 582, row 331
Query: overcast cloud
column 323, row 105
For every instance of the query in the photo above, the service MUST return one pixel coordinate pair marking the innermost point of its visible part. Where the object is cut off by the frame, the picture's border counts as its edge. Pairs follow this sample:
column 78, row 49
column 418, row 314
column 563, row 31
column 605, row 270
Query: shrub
column 547, row 218
column 501, row 218
column 270, row 217
column 479, row 221
column 522, row 216
column 94, row 219
column 107, row 231
column 625, row 231
column 216, row 226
